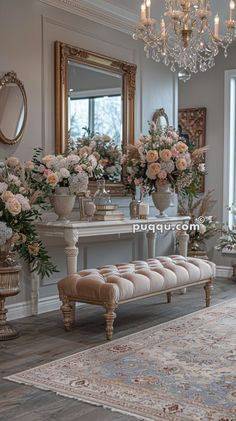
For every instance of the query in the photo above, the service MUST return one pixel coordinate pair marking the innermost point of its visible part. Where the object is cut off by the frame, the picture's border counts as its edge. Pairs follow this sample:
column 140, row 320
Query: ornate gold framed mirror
column 13, row 108
column 97, row 92
column 160, row 118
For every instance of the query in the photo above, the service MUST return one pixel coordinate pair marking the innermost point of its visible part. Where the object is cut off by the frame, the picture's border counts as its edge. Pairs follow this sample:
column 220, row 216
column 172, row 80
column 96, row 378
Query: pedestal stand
column 9, row 286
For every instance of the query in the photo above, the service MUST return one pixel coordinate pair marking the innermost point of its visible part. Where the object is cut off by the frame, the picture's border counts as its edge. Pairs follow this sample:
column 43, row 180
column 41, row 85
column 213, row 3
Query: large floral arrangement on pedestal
column 199, row 211
column 68, row 170
column 108, row 155
column 163, row 156
column 227, row 240
column 20, row 206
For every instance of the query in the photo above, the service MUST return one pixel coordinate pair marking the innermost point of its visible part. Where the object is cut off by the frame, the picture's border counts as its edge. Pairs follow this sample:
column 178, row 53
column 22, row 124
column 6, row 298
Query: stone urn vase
column 162, row 198
column 9, row 286
column 63, row 205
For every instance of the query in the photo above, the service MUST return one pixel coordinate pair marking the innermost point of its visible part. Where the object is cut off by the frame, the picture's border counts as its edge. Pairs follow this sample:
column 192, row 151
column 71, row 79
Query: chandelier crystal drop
column 184, row 39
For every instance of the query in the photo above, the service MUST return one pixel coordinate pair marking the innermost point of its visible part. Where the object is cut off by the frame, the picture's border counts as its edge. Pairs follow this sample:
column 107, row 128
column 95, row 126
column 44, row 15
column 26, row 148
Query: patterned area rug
column 181, row 370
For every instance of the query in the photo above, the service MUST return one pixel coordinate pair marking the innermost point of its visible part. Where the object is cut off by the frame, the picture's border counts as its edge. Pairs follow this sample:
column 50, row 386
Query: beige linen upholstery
column 113, row 284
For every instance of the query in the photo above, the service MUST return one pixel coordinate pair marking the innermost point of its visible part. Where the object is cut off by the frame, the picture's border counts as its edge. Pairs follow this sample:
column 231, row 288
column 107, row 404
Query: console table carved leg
column 71, row 238
column 183, row 249
column 151, row 240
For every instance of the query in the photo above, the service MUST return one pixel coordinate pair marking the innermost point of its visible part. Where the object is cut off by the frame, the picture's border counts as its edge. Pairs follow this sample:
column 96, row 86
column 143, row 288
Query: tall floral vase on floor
column 9, row 286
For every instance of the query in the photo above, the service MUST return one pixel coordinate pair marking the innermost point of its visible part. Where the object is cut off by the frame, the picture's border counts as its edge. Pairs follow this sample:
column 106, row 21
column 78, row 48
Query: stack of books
column 108, row 213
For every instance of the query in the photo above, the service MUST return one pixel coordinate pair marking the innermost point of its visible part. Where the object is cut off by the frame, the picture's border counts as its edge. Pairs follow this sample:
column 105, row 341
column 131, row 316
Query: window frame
column 229, row 190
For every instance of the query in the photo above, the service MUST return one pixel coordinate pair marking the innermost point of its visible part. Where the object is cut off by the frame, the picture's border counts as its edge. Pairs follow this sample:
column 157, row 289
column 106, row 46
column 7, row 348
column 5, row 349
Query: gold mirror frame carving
column 64, row 53
column 160, row 113
column 7, row 78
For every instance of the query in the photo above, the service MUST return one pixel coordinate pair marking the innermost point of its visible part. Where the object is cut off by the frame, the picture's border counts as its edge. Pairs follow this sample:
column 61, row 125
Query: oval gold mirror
column 13, row 109
column 160, row 118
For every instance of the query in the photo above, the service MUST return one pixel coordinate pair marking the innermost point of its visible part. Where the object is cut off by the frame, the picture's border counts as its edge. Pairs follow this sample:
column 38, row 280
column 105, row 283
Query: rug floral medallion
column 184, row 369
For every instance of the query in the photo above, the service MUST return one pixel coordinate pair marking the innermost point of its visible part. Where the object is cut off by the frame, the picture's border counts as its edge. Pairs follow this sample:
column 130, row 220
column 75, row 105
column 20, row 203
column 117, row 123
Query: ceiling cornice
column 101, row 12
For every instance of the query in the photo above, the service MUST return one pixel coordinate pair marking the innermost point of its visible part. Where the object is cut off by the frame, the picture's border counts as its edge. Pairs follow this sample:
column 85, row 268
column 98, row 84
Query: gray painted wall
column 28, row 30
column 207, row 90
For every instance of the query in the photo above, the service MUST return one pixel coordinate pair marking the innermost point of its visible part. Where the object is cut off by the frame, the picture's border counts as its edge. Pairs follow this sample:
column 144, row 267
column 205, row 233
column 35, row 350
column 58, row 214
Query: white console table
column 71, row 232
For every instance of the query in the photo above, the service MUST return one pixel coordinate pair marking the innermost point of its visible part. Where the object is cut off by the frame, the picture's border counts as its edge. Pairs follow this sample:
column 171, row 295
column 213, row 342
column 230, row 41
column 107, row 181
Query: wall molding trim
column 100, row 11
column 224, row 271
column 24, row 309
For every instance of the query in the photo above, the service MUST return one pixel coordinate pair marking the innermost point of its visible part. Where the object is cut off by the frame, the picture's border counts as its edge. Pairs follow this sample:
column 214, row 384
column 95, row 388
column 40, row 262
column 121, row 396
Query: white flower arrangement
column 69, row 170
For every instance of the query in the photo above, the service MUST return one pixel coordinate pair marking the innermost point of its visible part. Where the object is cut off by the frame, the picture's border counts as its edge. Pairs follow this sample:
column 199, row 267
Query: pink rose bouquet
column 161, row 157
column 19, row 208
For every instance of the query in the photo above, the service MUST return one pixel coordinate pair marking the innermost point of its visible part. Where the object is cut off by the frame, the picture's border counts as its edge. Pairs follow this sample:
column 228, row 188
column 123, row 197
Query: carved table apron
column 72, row 231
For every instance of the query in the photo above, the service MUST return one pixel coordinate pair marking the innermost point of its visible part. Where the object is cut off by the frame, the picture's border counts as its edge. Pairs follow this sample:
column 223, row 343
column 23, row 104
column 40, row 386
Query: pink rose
column 174, row 152
column 13, row 162
column 48, row 160
column 7, row 195
column 29, row 166
column 46, row 173
column 78, row 168
column 13, row 206
column 162, row 175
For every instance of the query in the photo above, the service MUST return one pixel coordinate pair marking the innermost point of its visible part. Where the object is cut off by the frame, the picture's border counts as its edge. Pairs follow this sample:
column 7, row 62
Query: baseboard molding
column 224, row 271
column 23, row 309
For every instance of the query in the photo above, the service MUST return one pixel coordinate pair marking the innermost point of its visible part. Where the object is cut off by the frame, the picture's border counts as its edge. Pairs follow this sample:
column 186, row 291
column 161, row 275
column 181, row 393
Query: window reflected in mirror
column 94, row 102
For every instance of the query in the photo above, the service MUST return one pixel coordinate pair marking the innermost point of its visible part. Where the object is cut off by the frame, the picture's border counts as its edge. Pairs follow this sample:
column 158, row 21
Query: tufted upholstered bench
column 112, row 285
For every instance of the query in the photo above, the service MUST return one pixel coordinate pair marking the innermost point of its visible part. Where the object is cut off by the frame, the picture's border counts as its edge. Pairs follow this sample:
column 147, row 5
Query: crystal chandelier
column 185, row 40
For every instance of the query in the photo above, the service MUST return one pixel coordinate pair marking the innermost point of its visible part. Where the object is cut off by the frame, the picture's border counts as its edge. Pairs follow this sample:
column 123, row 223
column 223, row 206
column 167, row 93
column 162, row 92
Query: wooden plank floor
column 43, row 339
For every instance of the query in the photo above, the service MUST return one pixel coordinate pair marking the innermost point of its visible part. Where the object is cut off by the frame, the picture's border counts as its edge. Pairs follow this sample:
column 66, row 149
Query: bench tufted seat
column 114, row 284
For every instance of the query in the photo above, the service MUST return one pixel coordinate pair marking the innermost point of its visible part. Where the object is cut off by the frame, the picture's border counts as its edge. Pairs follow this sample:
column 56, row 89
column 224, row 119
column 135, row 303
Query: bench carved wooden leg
column 110, row 316
column 169, row 296
column 68, row 311
column 208, row 290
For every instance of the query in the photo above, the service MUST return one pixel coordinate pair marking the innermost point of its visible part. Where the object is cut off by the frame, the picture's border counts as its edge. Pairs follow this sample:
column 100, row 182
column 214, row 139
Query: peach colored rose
column 12, row 161
column 85, row 151
column 152, row 156
column 165, row 154
column 13, row 206
column 18, row 239
column 153, row 170
column 7, row 195
column 48, row 160
column 29, row 166
column 181, row 147
column 33, row 249
column 52, row 179
column 162, row 175
column 181, row 164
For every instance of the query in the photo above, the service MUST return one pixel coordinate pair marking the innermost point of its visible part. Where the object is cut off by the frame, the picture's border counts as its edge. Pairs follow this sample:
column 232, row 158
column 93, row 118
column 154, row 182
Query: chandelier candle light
column 186, row 42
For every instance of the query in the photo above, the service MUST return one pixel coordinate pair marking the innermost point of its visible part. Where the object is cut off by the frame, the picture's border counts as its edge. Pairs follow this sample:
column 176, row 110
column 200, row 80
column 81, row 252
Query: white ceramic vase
column 63, row 206
column 162, row 198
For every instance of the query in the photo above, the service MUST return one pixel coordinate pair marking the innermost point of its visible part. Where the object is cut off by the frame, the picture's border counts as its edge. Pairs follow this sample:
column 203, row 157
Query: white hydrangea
column 5, row 233
column 3, row 187
column 79, row 183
